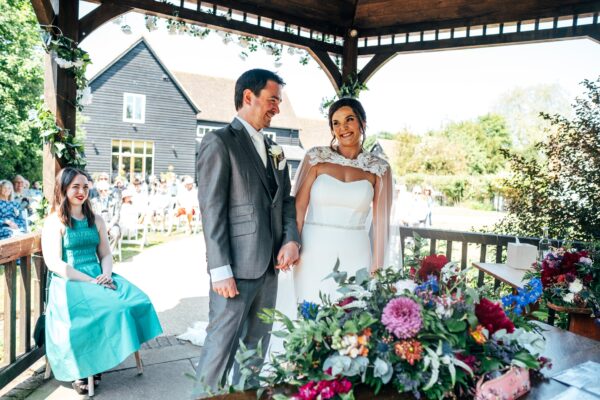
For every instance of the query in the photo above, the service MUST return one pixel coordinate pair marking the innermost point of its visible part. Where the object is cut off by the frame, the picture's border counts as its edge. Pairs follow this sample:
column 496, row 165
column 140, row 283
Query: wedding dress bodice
column 339, row 204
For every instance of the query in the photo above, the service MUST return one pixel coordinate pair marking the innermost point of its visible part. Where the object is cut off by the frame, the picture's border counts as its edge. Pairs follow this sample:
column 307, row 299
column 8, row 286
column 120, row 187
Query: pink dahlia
column 402, row 317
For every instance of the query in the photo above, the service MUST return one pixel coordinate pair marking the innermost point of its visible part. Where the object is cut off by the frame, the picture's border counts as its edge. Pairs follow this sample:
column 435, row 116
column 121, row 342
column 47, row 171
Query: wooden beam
column 349, row 56
column 43, row 11
column 484, row 41
column 66, row 89
column 283, row 15
column 374, row 65
column 491, row 15
column 100, row 15
column 14, row 248
column 165, row 10
column 331, row 70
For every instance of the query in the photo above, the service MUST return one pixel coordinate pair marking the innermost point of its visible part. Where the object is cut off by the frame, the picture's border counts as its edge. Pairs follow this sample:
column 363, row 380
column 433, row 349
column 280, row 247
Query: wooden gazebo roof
column 345, row 28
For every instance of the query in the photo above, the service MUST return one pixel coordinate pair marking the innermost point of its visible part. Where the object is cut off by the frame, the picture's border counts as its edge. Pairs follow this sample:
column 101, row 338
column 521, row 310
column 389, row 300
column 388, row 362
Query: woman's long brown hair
column 60, row 203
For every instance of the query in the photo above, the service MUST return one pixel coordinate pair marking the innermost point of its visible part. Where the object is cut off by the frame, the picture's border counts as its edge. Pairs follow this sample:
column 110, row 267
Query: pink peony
column 402, row 317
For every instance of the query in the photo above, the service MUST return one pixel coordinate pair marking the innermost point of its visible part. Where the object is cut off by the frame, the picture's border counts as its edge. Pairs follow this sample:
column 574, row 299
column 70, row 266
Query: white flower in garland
column 85, row 96
column 62, row 63
column 576, row 286
column 355, row 304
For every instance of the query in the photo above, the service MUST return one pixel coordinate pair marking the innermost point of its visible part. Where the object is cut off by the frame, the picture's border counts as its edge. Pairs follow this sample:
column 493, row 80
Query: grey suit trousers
column 229, row 321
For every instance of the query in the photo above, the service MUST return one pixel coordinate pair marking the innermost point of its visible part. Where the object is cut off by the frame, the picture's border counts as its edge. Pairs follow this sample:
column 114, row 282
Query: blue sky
column 418, row 91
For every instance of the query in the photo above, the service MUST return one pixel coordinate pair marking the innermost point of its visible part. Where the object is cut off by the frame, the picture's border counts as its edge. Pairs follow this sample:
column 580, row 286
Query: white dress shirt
column 258, row 140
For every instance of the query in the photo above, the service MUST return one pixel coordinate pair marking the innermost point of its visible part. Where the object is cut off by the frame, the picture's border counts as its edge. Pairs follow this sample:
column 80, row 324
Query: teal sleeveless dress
column 89, row 328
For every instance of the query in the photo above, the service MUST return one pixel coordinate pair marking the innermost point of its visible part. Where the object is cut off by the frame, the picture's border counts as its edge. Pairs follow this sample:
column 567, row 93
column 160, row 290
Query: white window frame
column 134, row 96
column 205, row 129
column 271, row 135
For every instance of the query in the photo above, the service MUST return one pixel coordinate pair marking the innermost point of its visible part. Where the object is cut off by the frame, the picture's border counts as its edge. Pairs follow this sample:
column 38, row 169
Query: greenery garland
column 351, row 88
column 64, row 145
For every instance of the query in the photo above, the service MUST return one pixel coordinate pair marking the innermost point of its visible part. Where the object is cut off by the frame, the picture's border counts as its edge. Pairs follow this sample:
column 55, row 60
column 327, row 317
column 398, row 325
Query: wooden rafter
column 374, row 65
column 43, row 11
column 97, row 17
column 160, row 9
column 592, row 30
column 326, row 63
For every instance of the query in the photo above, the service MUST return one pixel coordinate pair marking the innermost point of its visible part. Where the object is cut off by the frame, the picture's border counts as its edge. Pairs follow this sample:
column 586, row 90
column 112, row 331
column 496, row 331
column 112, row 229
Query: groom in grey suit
column 249, row 224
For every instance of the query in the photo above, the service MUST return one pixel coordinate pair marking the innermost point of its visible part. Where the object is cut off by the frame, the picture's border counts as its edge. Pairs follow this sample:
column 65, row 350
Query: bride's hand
column 288, row 256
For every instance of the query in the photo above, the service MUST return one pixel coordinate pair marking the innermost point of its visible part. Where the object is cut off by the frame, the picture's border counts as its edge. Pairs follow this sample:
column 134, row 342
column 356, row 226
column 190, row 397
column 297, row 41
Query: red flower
column 560, row 278
column 470, row 359
column 346, row 301
column 492, row 317
column 432, row 265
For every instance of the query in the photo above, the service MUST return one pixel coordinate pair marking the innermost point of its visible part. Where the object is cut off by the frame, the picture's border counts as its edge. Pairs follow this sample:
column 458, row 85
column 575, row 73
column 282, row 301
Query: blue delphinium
column 524, row 297
column 431, row 284
column 308, row 310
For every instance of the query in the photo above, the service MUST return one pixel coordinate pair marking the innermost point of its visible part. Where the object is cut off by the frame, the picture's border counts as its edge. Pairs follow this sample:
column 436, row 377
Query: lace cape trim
column 365, row 161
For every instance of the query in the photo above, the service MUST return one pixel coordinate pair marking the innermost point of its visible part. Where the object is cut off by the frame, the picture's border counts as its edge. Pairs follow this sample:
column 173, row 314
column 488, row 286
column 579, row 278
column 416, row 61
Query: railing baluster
column 463, row 255
column 10, row 311
column 449, row 245
column 25, row 305
column 432, row 246
column 482, row 256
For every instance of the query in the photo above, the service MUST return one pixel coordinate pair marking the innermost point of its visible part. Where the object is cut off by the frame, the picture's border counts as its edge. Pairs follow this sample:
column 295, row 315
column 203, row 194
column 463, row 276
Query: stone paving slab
column 159, row 381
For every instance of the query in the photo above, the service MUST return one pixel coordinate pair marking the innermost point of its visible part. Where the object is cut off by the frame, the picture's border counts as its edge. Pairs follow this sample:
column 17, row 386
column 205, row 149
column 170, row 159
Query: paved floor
column 174, row 277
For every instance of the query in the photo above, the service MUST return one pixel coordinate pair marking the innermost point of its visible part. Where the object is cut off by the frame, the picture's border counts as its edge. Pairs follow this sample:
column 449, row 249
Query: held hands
column 288, row 256
column 226, row 288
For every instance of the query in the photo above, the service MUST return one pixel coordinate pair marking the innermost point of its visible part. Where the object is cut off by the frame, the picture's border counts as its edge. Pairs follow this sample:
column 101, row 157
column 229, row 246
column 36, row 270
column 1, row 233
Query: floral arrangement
column 571, row 278
column 430, row 335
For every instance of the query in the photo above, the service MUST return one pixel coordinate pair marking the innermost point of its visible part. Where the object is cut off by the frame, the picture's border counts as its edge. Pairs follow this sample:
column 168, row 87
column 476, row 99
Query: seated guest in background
column 108, row 205
column 20, row 187
column 187, row 201
column 12, row 221
column 94, row 319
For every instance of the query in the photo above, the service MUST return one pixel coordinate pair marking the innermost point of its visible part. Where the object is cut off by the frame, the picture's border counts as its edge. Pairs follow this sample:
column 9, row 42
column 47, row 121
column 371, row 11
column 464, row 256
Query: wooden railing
column 23, row 287
column 496, row 244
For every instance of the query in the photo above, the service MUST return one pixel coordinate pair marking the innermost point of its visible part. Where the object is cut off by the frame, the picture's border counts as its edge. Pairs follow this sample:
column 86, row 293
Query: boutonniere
column 277, row 155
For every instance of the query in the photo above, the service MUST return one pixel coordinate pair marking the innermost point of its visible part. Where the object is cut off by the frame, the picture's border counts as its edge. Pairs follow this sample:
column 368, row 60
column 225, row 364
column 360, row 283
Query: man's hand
column 226, row 288
column 288, row 256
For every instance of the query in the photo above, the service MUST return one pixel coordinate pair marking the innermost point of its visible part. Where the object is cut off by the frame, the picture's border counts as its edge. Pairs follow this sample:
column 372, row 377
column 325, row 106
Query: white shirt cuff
column 221, row 273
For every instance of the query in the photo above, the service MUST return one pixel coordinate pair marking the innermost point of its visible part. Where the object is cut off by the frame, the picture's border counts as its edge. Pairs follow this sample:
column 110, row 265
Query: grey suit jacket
column 243, row 225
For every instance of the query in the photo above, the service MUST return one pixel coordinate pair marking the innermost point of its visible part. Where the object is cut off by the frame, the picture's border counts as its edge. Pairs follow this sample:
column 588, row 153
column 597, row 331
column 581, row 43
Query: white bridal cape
column 345, row 221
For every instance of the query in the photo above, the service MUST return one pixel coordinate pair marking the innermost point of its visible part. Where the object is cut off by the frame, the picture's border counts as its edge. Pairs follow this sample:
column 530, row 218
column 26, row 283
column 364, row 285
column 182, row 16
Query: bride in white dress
column 337, row 189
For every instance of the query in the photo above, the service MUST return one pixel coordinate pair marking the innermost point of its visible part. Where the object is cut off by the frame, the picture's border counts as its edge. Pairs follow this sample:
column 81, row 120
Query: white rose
column 568, row 298
column 405, row 284
column 276, row 150
column 576, row 286
column 585, row 260
column 78, row 63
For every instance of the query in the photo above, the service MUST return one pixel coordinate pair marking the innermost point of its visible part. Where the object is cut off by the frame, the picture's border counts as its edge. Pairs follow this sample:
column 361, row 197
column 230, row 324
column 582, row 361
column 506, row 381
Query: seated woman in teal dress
column 94, row 318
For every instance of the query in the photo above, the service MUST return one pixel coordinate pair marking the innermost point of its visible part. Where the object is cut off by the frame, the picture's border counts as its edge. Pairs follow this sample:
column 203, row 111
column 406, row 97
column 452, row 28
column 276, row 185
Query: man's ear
column 247, row 96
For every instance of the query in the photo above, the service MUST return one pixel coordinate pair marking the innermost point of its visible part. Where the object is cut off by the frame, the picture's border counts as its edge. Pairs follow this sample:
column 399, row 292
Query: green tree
column 561, row 188
column 21, row 88
column 521, row 107
column 481, row 140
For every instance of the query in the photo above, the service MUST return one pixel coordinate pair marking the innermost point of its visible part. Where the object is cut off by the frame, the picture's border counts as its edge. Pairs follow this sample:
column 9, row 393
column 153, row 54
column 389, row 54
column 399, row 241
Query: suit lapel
column 243, row 138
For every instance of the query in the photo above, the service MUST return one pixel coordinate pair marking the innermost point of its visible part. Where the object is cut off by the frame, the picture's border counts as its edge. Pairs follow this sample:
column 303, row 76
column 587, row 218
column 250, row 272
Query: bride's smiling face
column 347, row 127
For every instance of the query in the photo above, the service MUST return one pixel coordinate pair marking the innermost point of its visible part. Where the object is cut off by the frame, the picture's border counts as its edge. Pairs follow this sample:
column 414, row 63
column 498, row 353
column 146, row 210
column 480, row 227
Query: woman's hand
column 104, row 279
column 11, row 224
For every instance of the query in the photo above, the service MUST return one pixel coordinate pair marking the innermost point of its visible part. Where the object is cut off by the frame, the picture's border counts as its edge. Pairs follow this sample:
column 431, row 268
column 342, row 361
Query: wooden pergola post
column 350, row 56
column 60, row 89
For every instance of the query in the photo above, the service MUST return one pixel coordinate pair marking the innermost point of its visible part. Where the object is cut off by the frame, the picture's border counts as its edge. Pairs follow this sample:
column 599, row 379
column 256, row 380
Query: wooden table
column 503, row 273
column 564, row 348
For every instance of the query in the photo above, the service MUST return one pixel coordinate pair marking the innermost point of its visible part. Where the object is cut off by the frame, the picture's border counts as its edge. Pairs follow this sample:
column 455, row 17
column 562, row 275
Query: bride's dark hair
column 358, row 110
column 60, row 202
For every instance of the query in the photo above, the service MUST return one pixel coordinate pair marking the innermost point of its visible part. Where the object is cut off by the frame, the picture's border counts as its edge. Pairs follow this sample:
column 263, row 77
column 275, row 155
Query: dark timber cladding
column 170, row 119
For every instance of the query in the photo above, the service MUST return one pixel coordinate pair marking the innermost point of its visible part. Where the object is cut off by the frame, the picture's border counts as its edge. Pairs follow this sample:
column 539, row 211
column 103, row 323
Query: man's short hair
column 255, row 80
